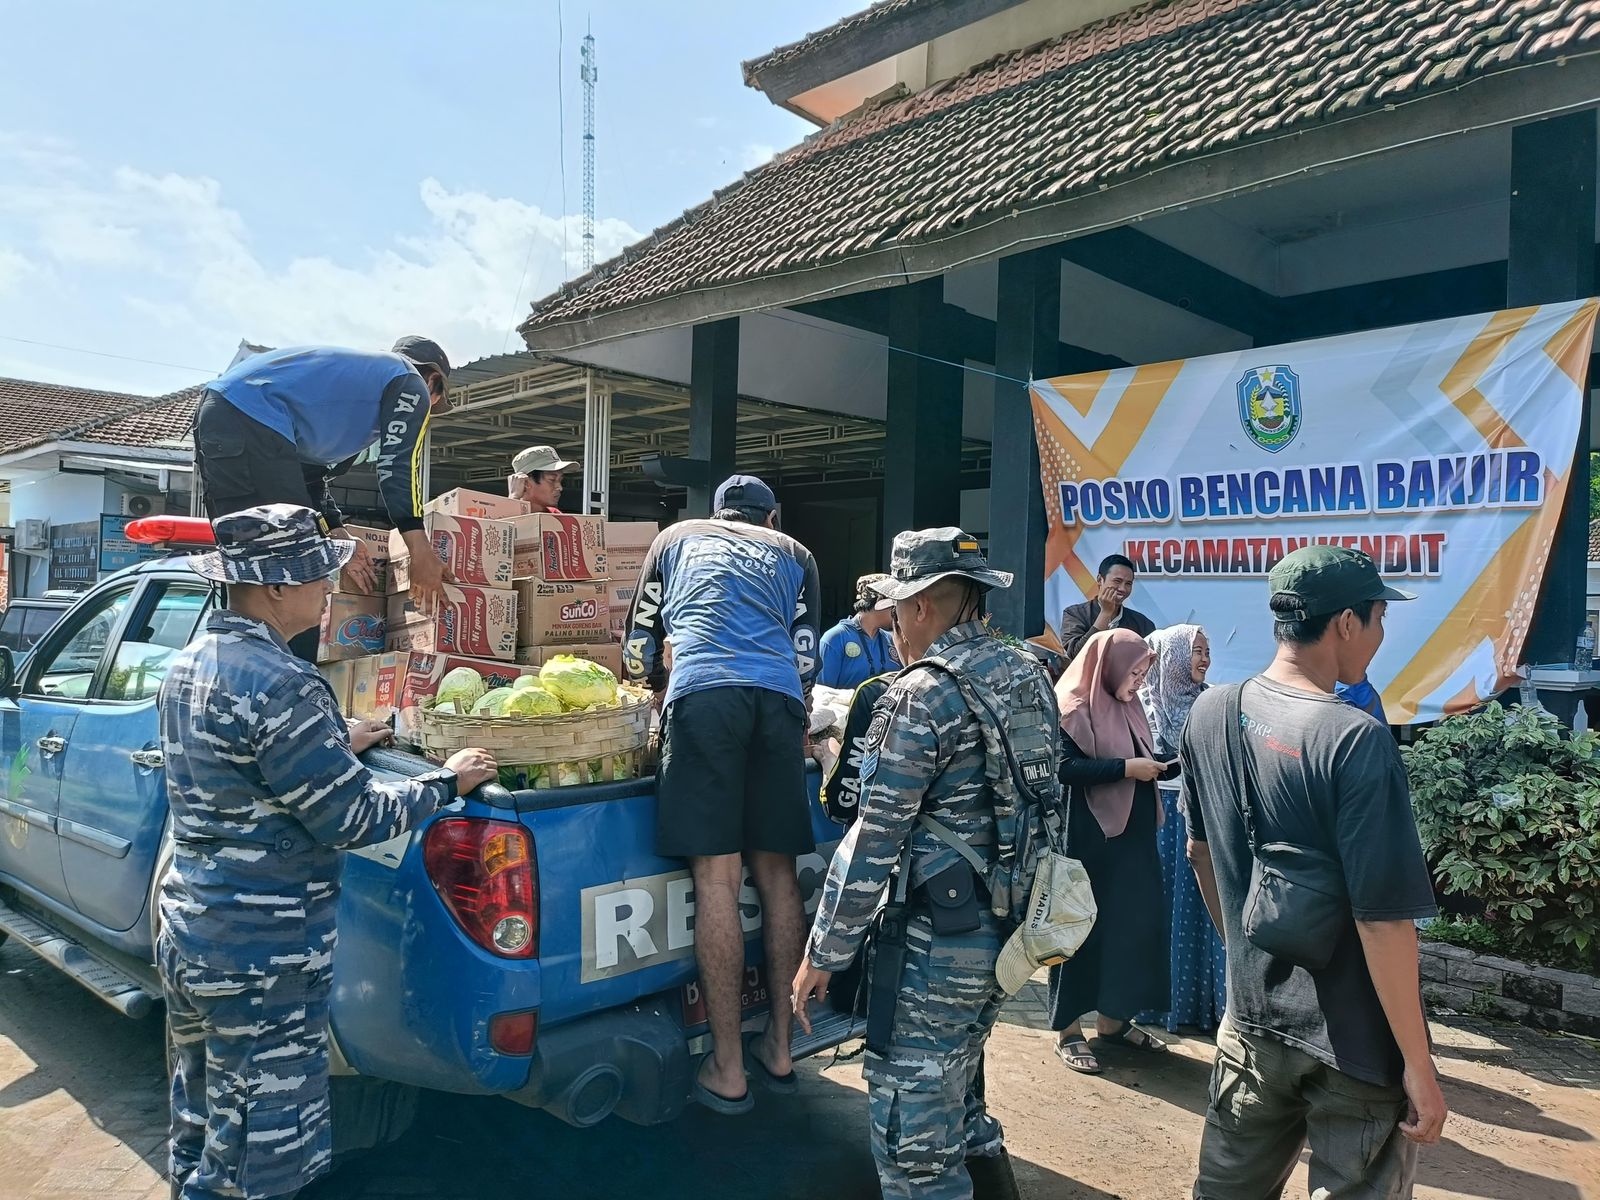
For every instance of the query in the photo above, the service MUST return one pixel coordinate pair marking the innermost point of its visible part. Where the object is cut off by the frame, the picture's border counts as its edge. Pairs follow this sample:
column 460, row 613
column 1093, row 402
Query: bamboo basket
column 565, row 745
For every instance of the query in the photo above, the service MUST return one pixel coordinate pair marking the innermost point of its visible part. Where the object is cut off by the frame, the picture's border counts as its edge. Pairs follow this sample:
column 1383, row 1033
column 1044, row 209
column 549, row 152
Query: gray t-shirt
column 1327, row 777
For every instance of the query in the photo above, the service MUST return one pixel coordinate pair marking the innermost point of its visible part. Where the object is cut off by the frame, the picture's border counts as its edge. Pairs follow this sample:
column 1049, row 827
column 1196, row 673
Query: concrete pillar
column 1027, row 341
column 922, row 444
column 713, row 407
column 1552, row 258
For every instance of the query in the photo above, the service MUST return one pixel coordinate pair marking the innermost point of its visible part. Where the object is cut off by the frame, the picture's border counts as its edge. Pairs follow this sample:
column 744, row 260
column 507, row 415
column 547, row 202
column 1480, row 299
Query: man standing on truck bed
column 265, row 789
column 739, row 602
column 966, row 710
column 274, row 428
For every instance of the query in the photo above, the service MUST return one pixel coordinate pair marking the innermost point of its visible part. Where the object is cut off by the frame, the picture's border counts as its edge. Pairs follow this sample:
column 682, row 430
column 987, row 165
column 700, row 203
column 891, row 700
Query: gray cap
column 539, row 458
column 272, row 544
column 922, row 557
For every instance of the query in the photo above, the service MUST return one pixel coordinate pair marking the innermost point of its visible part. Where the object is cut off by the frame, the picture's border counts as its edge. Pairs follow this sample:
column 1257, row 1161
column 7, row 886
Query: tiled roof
column 33, row 414
column 1594, row 541
column 847, row 27
column 1161, row 84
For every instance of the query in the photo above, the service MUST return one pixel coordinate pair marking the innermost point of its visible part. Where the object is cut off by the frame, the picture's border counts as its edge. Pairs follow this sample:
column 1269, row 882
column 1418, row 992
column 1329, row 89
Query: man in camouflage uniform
column 925, row 757
column 264, row 787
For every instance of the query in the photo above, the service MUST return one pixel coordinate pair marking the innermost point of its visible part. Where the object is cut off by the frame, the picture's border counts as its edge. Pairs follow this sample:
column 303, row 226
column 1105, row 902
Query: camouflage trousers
column 927, row 1108
column 250, row 1116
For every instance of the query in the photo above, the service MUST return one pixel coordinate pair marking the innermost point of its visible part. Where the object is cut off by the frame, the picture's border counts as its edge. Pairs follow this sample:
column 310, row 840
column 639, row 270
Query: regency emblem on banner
column 1269, row 406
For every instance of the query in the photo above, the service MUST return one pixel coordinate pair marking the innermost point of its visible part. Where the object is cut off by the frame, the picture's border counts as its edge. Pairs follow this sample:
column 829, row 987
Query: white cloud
column 168, row 270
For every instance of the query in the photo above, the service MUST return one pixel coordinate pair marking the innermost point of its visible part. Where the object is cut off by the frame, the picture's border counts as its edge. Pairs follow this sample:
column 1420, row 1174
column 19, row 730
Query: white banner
column 1440, row 449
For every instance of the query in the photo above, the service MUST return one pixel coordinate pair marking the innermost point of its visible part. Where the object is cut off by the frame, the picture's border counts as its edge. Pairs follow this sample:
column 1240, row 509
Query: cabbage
column 579, row 683
column 530, row 701
column 568, row 775
column 449, row 706
column 531, row 679
column 463, row 687
column 621, row 766
column 493, row 703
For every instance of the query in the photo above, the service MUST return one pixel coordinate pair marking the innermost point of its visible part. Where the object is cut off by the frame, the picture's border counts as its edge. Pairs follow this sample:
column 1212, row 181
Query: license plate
column 754, row 996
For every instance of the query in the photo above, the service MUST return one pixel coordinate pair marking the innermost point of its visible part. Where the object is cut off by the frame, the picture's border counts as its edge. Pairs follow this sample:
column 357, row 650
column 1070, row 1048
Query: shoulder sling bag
column 1297, row 907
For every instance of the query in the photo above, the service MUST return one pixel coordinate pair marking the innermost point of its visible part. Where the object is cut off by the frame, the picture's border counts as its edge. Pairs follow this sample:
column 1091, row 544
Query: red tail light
column 514, row 1033
column 183, row 531
column 484, row 873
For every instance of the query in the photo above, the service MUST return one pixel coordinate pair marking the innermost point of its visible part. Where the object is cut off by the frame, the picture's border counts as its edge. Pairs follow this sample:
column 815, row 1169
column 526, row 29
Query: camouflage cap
column 867, row 591
column 272, row 544
column 922, row 557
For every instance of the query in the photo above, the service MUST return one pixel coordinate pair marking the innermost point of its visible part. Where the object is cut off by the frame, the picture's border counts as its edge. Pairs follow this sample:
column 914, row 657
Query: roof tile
column 35, row 414
column 1164, row 82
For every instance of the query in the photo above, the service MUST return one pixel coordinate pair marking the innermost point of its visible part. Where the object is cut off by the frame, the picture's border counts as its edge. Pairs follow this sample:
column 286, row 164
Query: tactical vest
column 1010, row 695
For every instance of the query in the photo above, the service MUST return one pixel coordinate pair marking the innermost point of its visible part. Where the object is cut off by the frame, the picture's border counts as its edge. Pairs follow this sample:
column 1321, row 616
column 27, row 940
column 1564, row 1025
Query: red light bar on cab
column 180, row 531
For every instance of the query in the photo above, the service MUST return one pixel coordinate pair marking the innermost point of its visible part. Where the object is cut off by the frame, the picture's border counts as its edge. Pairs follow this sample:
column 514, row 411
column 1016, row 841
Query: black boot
column 992, row 1177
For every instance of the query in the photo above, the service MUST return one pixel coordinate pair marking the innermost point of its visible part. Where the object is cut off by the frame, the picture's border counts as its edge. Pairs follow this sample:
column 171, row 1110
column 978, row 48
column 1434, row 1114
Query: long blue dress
column 1198, row 961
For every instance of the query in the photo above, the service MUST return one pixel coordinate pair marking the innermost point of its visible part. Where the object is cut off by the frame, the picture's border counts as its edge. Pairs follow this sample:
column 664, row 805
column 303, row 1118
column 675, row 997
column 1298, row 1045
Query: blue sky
column 178, row 175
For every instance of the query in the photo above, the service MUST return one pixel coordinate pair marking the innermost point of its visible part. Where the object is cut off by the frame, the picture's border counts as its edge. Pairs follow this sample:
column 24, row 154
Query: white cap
column 1061, row 912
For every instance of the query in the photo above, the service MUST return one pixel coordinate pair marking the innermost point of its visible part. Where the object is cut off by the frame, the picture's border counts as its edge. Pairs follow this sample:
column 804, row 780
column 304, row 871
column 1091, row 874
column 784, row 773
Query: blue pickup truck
column 600, row 1015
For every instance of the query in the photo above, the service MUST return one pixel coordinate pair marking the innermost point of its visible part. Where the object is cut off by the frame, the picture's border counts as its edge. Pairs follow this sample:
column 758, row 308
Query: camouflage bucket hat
column 272, row 544
column 922, row 557
column 867, row 591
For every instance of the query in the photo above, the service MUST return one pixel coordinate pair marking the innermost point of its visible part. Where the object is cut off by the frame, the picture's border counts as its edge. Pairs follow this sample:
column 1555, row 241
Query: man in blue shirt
column 738, row 602
column 859, row 647
column 276, row 427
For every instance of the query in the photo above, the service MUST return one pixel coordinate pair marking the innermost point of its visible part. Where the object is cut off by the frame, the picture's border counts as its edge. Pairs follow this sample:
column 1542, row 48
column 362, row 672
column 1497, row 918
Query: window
column 36, row 622
column 67, row 669
column 171, row 613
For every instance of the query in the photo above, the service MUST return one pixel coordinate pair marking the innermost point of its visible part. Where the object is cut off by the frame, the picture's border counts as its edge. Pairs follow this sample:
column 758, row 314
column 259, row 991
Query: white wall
column 58, row 499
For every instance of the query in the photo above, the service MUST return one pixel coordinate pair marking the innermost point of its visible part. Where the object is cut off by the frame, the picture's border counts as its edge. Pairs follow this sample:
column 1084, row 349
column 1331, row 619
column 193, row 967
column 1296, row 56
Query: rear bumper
column 632, row 1061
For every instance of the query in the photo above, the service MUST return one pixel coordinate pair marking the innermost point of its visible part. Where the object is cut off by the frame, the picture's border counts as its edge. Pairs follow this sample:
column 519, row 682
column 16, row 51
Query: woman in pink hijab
column 1110, row 772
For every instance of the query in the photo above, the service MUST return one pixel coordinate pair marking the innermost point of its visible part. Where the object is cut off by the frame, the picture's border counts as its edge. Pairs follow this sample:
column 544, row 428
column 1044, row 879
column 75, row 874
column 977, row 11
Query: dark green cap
column 1328, row 579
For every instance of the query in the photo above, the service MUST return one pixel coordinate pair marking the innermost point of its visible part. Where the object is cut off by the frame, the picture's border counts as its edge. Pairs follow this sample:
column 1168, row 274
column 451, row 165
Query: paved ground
column 82, row 1115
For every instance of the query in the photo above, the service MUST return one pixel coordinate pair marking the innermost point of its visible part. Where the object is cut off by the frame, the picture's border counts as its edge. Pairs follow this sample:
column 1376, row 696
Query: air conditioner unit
column 137, row 504
column 33, row 533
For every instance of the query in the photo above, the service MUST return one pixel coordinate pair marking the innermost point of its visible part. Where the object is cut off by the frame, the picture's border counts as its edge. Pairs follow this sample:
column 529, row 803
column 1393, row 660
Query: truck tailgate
column 616, row 919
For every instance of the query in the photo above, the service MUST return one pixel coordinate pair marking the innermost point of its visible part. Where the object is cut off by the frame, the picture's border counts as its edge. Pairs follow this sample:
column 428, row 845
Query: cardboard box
column 340, row 676
column 352, row 627
column 561, row 614
column 367, row 698
column 607, row 654
column 631, row 534
column 414, row 678
column 464, row 502
column 477, row 550
column 560, row 547
column 377, row 543
column 475, row 621
column 626, row 563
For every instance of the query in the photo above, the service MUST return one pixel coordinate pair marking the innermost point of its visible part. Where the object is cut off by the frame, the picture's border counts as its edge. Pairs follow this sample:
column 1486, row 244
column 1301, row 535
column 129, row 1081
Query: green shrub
column 1508, row 806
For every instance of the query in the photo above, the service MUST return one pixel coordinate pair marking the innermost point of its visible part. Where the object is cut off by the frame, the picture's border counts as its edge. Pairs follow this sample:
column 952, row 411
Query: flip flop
column 1145, row 1041
column 728, row 1107
column 1068, row 1053
column 781, row 1085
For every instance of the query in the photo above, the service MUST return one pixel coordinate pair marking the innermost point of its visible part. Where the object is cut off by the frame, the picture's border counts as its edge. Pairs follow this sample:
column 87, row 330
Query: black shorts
column 733, row 775
column 244, row 464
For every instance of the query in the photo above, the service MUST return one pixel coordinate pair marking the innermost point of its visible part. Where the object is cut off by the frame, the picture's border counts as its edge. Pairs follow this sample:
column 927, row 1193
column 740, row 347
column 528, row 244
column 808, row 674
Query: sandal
column 1076, row 1054
column 1132, row 1036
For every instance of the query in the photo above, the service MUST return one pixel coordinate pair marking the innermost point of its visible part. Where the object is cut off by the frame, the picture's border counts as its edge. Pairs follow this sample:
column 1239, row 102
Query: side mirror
column 10, row 685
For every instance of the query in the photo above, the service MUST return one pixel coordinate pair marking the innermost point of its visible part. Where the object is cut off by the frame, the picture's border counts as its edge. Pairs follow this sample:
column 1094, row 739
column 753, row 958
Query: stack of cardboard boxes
column 627, row 542
column 562, row 604
column 528, row 586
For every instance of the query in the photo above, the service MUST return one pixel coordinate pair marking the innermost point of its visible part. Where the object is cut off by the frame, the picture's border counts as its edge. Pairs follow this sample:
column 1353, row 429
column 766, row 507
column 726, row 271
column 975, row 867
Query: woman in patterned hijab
column 1176, row 679
column 1197, row 977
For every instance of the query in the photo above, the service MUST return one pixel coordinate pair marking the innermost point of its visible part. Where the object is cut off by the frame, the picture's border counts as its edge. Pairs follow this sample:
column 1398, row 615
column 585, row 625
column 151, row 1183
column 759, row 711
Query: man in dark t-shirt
column 1338, row 1056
